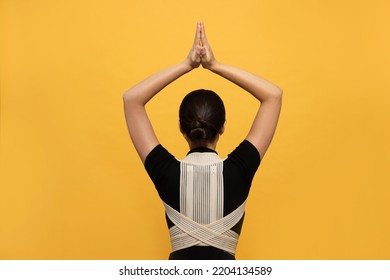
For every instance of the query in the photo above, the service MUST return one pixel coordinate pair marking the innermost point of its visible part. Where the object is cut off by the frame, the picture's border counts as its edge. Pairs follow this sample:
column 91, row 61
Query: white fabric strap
column 189, row 205
column 214, row 193
column 188, row 233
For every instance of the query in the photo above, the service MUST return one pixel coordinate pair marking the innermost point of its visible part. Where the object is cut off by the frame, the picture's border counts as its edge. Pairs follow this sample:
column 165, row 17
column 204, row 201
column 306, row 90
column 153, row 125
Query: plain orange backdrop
column 72, row 185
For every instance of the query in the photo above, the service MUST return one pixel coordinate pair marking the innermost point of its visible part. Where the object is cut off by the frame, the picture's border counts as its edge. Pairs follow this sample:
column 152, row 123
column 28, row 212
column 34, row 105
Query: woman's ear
column 222, row 130
column 180, row 127
column 182, row 132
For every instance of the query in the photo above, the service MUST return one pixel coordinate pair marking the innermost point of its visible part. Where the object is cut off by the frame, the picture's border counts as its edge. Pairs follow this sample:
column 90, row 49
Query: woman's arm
column 269, row 95
column 135, row 99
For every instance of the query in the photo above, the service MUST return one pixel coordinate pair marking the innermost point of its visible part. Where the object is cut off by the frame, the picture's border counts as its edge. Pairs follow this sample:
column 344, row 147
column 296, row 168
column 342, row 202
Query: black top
column 239, row 169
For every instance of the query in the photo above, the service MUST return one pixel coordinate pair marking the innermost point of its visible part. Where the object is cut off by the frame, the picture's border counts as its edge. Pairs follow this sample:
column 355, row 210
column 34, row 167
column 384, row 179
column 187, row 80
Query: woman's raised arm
column 135, row 99
column 269, row 95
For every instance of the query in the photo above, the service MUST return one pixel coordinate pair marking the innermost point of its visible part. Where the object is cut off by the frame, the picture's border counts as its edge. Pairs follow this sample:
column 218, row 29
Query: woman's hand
column 201, row 52
column 193, row 59
column 207, row 58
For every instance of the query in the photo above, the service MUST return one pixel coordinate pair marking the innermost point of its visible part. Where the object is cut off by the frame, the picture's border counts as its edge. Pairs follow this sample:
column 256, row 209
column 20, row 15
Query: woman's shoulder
column 245, row 158
column 159, row 156
column 245, row 151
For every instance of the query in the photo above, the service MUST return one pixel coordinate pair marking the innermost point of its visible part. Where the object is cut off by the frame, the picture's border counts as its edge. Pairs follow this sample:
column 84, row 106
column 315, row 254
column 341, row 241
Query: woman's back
column 196, row 196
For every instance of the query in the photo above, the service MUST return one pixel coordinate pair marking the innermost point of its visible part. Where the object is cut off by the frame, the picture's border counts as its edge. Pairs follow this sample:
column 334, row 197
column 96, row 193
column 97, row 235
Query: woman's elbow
column 278, row 93
column 128, row 97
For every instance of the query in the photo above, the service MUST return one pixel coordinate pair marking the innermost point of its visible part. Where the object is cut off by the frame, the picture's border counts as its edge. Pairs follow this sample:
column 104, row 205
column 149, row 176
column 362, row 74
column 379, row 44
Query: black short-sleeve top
column 239, row 169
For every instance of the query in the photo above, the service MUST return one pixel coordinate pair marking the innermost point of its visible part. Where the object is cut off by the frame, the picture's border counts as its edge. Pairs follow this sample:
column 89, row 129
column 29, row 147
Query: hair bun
column 198, row 133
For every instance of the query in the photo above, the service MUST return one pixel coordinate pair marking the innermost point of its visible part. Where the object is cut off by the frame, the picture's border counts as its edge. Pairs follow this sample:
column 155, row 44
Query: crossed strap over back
column 200, row 221
column 187, row 233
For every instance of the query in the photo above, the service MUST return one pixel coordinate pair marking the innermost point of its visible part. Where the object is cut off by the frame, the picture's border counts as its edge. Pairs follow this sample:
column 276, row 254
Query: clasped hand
column 200, row 52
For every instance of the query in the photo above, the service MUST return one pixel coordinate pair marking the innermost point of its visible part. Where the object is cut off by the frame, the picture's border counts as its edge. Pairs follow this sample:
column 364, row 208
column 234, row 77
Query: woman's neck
column 211, row 146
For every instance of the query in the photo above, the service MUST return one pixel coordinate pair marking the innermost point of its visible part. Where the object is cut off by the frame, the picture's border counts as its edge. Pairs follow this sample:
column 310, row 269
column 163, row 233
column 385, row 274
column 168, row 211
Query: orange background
column 72, row 185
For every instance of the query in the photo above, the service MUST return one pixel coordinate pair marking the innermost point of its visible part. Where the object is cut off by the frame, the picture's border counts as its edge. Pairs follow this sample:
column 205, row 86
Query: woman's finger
column 197, row 35
column 203, row 37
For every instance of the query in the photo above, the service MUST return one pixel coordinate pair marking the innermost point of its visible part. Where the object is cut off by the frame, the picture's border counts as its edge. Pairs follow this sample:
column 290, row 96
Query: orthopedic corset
column 200, row 221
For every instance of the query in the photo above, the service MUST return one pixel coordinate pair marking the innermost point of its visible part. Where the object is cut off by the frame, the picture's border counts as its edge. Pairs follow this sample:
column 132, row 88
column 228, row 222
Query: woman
column 204, row 196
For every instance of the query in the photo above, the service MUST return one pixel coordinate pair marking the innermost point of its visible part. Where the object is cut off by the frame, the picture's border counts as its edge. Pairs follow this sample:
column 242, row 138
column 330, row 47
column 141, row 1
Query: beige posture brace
column 200, row 221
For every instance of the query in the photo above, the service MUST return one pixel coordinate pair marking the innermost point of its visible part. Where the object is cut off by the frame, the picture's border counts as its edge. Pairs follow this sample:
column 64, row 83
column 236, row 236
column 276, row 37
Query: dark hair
column 202, row 115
